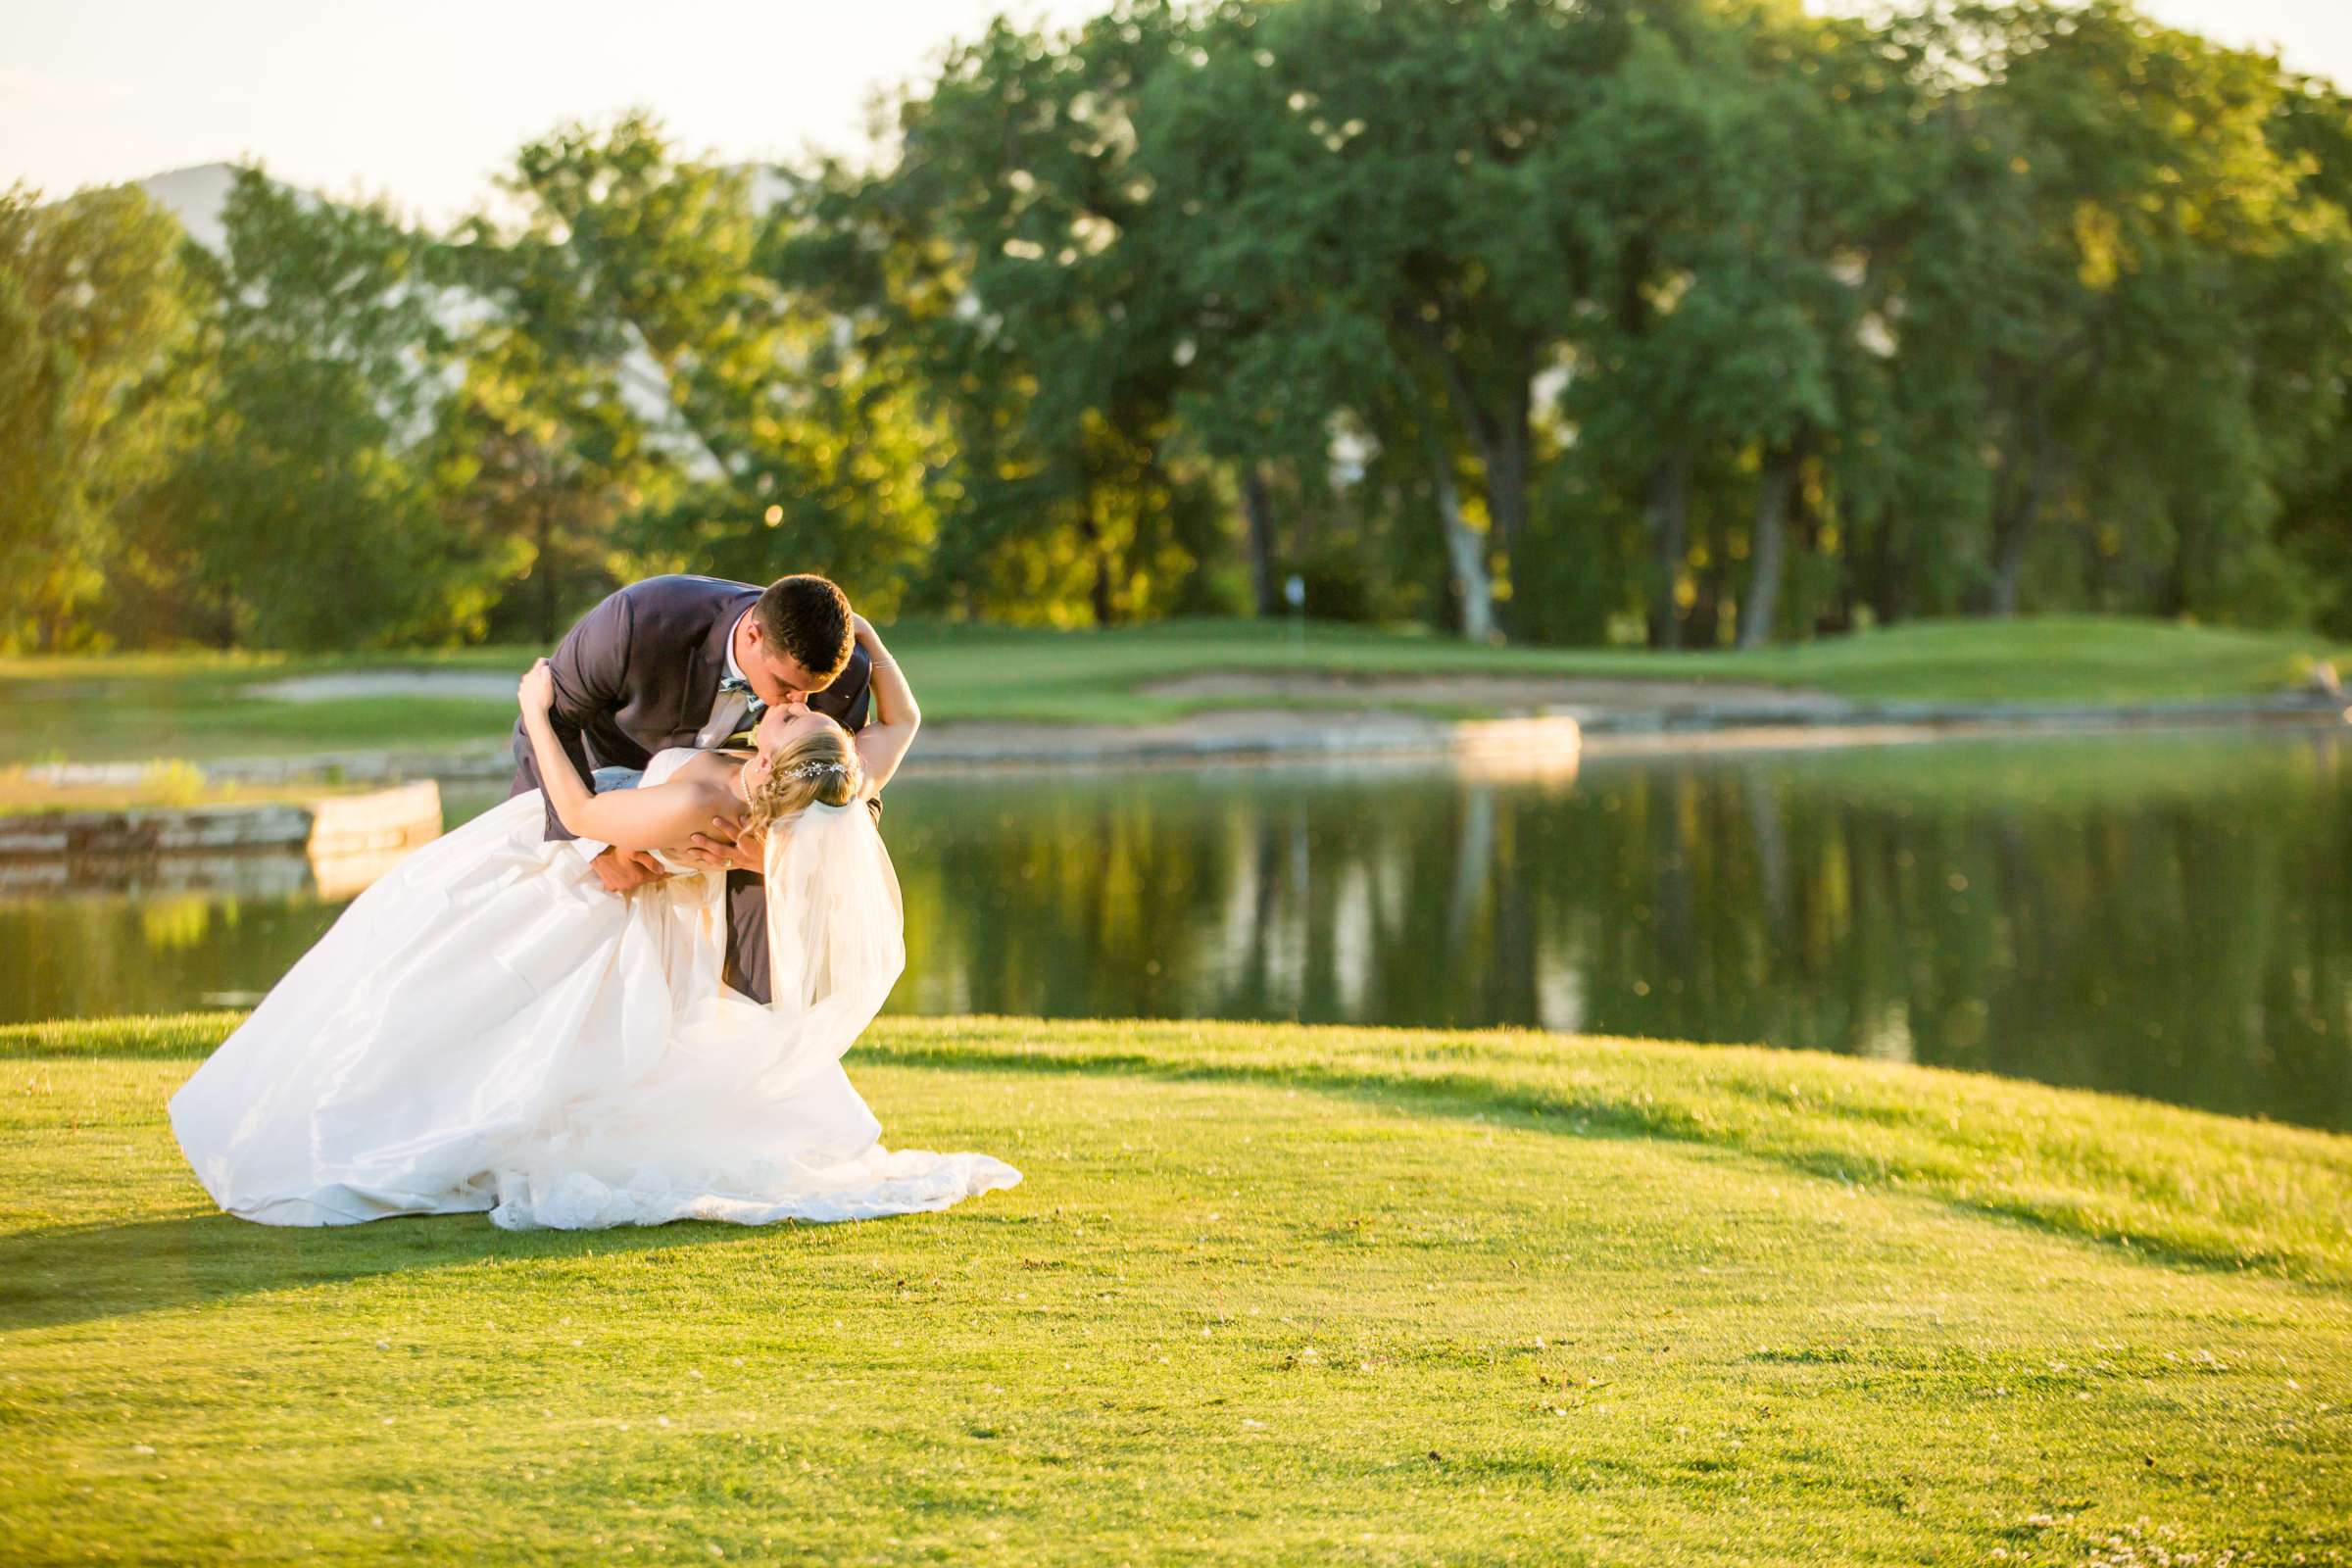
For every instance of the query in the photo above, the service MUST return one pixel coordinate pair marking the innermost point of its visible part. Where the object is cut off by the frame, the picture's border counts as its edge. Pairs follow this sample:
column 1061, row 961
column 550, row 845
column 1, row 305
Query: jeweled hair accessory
column 813, row 769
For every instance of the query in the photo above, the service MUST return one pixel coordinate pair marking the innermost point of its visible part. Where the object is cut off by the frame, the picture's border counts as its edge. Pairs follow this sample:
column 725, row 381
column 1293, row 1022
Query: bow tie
column 735, row 711
column 731, row 685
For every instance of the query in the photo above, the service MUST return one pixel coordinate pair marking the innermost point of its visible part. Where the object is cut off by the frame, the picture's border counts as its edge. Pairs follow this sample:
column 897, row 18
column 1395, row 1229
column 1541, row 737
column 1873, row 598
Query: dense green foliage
column 1692, row 321
column 92, row 311
column 1268, row 1295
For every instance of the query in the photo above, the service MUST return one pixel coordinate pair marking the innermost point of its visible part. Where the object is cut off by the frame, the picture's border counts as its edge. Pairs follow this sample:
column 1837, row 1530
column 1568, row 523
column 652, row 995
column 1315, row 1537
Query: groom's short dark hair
column 808, row 618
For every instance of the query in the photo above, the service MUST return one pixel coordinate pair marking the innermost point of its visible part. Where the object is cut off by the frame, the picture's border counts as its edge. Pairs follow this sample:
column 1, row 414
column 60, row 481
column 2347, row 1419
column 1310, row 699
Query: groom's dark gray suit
column 639, row 674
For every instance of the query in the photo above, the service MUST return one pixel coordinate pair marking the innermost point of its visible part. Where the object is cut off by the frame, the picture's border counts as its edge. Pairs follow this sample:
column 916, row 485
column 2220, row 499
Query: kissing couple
column 621, row 996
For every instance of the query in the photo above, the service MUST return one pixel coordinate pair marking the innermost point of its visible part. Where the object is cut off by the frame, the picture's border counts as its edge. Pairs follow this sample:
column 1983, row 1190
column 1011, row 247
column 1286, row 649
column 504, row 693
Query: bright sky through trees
column 423, row 100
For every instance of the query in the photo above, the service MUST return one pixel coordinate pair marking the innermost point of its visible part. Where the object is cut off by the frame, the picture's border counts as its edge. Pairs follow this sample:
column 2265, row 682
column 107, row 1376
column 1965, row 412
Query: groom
column 690, row 662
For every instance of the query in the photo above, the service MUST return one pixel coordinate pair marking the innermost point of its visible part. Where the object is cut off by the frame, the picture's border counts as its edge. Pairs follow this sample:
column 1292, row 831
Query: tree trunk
column 550, row 602
column 1704, row 626
column 1090, row 532
column 2013, row 528
column 1465, row 550
column 1506, row 471
column 1669, row 520
column 1257, row 510
column 2172, row 585
column 2008, row 567
column 1891, row 575
column 1499, row 437
column 1768, row 546
column 2012, row 533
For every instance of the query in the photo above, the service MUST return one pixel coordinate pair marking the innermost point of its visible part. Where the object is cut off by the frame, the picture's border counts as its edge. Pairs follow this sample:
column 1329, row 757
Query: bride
column 486, row 1028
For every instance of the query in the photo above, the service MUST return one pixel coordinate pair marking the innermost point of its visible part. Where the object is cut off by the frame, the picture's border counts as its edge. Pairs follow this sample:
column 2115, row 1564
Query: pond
column 2165, row 915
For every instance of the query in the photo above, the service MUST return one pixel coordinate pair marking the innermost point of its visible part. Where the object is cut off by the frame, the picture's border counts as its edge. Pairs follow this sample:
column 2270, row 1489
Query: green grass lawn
column 1269, row 1295
column 200, row 704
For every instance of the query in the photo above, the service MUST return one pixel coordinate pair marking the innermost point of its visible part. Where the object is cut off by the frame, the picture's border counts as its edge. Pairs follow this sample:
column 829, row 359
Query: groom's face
column 777, row 676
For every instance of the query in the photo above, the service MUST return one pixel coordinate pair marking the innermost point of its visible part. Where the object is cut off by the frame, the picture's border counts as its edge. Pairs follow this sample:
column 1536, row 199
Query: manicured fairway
column 198, row 704
column 1268, row 1295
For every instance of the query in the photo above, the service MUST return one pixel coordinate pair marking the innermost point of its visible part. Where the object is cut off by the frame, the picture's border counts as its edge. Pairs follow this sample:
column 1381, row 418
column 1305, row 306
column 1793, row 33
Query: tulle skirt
column 486, row 1029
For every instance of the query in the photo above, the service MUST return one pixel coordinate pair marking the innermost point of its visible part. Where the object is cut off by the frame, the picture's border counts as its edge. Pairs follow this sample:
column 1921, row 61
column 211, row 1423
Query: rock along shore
column 344, row 836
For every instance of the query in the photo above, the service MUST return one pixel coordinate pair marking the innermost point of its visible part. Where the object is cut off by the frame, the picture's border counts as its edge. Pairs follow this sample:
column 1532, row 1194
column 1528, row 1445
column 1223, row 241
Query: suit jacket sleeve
column 849, row 701
column 588, row 667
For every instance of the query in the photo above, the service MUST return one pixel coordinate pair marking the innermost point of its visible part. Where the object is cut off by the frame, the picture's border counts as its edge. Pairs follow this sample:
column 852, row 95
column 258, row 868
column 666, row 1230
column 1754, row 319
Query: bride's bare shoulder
column 706, row 780
column 707, row 772
column 708, row 765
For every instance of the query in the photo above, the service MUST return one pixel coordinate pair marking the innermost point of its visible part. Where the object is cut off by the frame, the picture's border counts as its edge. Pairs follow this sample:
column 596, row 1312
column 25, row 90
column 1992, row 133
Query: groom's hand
column 724, row 848
column 627, row 871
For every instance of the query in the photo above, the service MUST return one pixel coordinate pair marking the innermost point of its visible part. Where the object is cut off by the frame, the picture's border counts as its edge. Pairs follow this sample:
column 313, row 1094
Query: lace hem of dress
column 906, row 1181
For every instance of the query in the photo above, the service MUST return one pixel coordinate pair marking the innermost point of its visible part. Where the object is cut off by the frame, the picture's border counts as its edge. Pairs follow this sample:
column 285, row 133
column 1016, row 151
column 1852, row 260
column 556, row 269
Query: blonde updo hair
column 821, row 769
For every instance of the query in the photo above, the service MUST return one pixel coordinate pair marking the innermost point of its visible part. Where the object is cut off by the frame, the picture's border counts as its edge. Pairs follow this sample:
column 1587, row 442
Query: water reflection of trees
column 2166, row 918
column 2176, row 945
column 148, row 952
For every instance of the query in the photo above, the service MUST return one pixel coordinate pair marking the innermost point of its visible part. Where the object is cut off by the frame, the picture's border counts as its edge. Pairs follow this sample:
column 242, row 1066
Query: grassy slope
column 1268, row 1295
column 195, row 706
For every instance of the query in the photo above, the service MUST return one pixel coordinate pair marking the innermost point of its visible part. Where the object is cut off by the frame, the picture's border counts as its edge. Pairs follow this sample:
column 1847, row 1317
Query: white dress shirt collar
column 735, row 670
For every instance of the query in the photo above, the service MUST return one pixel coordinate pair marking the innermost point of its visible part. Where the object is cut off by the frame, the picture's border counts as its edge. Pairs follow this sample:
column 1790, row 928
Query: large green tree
column 2130, row 211
column 1386, row 210
column 2310, row 124
column 563, row 424
column 93, row 326
column 303, row 510
column 1008, row 250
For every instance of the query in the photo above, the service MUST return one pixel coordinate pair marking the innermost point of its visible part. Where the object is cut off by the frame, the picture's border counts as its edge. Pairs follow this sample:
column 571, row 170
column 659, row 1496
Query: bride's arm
column 627, row 820
column 882, row 744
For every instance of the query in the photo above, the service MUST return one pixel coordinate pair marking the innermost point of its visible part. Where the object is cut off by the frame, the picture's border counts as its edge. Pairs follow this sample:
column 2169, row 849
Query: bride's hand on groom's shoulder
column 537, row 692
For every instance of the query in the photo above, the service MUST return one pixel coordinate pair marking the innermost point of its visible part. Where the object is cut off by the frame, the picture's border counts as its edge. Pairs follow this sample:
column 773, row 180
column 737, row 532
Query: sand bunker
column 1577, row 694
column 473, row 685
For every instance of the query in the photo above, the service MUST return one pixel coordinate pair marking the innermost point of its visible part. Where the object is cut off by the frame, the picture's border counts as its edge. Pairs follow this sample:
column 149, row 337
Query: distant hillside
column 194, row 196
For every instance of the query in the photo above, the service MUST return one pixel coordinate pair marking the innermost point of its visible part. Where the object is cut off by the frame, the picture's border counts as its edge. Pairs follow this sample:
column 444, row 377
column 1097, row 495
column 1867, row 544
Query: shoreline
column 1225, row 736
column 1543, row 746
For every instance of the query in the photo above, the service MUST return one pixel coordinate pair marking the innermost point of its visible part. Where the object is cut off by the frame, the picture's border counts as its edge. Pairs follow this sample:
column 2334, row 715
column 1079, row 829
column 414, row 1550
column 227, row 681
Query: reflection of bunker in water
column 344, row 842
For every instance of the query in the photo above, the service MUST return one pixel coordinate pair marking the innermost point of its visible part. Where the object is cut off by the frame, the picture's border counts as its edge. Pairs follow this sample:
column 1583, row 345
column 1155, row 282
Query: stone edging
column 332, row 827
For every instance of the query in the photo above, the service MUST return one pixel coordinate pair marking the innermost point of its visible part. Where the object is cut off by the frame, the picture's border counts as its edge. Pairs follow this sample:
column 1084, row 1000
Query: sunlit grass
column 1268, row 1295
column 2220, row 768
column 1093, row 675
column 203, row 705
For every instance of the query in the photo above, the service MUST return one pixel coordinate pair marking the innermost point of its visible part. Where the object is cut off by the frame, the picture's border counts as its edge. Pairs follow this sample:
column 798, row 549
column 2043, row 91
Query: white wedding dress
column 486, row 1028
